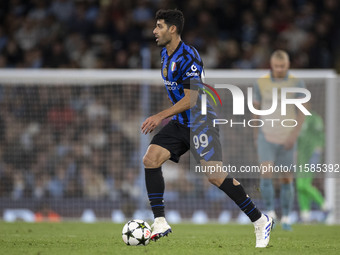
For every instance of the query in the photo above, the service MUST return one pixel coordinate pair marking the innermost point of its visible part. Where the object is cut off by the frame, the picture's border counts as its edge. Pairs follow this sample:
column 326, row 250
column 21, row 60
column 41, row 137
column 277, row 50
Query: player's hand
column 150, row 124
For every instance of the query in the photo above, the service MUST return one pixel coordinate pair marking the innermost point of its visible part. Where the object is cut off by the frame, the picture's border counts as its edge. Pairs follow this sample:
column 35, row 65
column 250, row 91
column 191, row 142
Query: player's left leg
column 267, row 189
column 153, row 159
column 262, row 223
column 286, row 158
column 302, row 186
column 312, row 191
column 287, row 200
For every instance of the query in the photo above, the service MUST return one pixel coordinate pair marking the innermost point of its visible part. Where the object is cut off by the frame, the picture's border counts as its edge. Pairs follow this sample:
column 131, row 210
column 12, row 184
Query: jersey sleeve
column 300, row 84
column 191, row 71
column 191, row 79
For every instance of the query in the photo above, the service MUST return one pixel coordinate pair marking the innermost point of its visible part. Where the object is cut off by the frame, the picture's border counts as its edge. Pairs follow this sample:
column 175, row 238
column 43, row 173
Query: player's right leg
column 154, row 158
column 262, row 223
column 211, row 155
column 266, row 154
column 267, row 190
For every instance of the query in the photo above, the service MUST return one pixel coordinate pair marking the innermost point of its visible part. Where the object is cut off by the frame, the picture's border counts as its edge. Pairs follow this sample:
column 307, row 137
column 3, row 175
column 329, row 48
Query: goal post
column 71, row 141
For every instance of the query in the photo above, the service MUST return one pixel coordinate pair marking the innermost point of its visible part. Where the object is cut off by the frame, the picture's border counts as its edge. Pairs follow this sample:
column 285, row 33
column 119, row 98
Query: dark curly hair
column 172, row 17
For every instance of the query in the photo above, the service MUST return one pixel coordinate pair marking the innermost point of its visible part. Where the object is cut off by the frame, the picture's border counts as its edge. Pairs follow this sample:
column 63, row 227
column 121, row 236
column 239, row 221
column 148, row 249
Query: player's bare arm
column 182, row 105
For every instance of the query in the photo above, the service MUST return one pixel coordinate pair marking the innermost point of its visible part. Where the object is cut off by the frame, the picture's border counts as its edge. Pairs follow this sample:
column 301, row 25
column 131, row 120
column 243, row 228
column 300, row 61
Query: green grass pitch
column 105, row 238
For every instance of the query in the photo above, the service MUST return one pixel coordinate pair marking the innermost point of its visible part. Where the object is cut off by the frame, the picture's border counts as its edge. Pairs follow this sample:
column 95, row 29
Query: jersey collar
column 178, row 46
column 274, row 79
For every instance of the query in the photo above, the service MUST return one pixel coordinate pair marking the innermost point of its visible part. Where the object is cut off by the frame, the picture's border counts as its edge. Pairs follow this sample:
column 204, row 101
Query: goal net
column 71, row 147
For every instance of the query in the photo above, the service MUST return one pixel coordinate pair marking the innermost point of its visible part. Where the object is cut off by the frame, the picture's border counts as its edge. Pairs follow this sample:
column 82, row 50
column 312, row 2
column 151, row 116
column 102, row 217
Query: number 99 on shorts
column 200, row 141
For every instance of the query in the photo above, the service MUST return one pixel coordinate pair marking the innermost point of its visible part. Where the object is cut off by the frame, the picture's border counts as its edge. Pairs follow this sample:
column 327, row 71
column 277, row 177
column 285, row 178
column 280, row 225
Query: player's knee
column 216, row 181
column 286, row 180
column 235, row 182
column 151, row 162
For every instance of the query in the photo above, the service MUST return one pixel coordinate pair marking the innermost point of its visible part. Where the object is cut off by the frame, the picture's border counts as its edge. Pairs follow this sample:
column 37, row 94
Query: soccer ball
column 136, row 232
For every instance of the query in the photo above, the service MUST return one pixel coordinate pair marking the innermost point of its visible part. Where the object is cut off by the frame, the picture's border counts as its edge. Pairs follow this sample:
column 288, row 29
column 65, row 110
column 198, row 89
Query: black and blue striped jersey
column 183, row 70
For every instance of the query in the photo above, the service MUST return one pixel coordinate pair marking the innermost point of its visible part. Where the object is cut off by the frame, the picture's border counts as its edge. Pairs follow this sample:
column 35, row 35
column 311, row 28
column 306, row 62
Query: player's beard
column 280, row 75
column 163, row 44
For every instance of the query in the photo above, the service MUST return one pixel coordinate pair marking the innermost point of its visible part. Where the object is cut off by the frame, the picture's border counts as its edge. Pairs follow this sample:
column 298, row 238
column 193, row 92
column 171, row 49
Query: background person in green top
column 310, row 146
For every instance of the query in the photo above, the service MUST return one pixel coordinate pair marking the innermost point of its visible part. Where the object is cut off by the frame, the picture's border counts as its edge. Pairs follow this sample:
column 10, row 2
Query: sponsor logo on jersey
column 193, row 71
column 192, row 74
column 169, row 83
column 171, row 87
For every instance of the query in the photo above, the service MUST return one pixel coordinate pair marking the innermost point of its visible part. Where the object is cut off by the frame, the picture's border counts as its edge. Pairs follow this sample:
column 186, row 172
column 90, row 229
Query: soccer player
column 276, row 145
column 182, row 67
column 310, row 146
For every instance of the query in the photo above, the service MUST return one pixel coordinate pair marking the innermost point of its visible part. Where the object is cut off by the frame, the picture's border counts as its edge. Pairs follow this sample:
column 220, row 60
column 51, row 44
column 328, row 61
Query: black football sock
column 239, row 196
column 155, row 187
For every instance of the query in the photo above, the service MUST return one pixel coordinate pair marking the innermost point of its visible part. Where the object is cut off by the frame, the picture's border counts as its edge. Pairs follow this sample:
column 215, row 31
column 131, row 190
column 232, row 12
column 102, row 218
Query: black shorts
column 203, row 142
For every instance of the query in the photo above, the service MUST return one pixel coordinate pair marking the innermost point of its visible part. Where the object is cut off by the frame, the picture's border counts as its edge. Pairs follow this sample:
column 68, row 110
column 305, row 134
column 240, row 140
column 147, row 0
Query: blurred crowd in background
column 238, row 34
column 60, row 142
